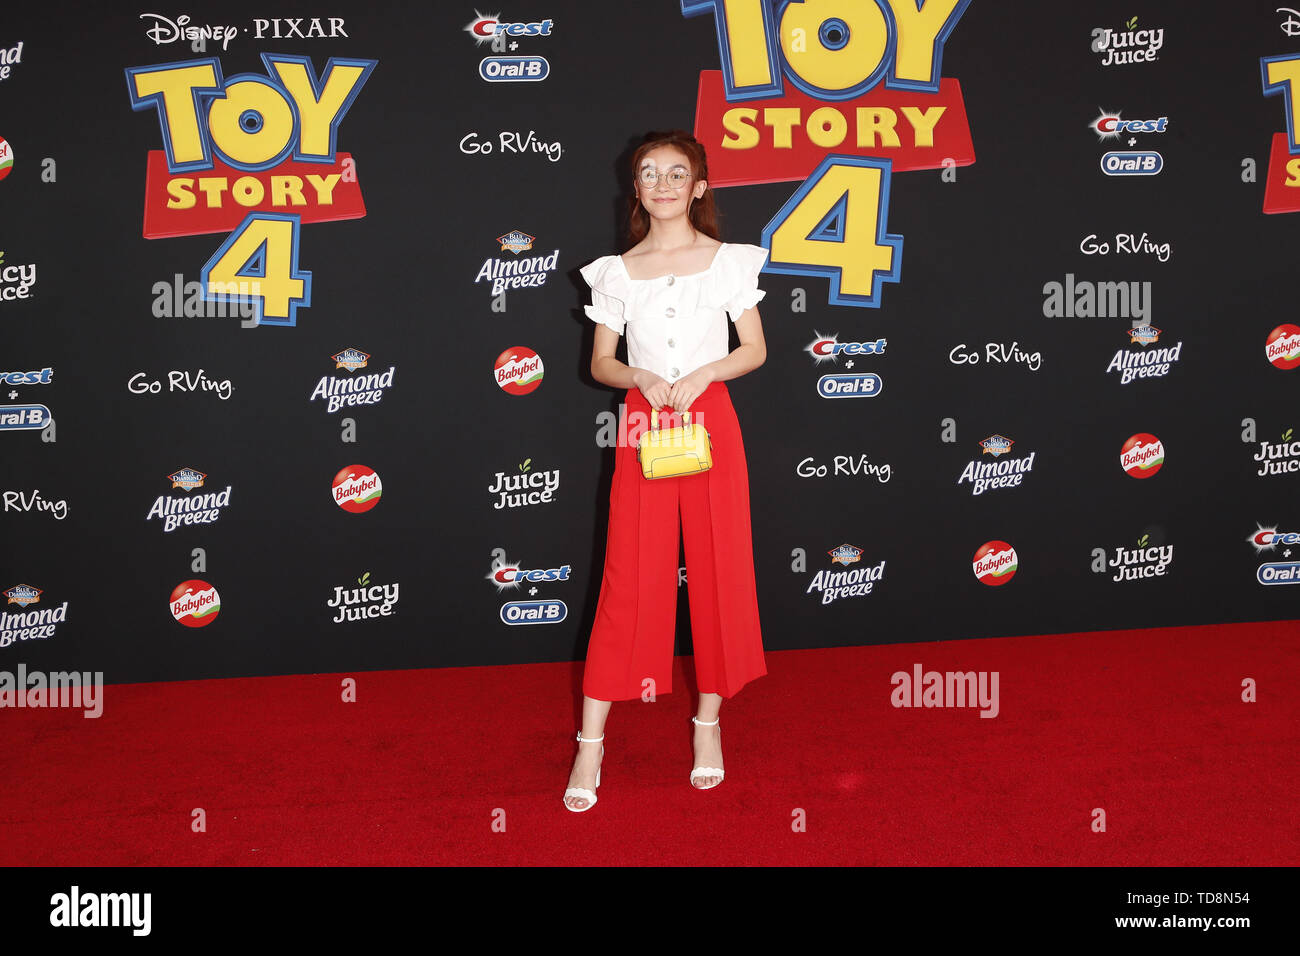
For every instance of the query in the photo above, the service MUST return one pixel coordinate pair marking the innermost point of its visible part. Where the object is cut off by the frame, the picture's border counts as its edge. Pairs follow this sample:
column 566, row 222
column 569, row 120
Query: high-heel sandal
column 706, row 771
column 583, row 792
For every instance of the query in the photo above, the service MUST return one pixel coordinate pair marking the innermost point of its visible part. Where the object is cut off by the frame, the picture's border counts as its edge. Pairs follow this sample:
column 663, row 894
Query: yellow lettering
column 741, row 133
column 175, row 86
column 876, row 121
column 324, row 186
column 861, row 53
column 285, row 189
column 245, row 101
column 923, row 121
column 918, row 31
column 248, row 190
column 827, row 127
column 179, row 191
column 317, row 116
column 782, row 119
column 213, row 187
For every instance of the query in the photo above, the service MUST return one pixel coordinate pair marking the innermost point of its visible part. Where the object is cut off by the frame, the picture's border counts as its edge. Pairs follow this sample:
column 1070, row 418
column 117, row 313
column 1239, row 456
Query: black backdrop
column 398, row 284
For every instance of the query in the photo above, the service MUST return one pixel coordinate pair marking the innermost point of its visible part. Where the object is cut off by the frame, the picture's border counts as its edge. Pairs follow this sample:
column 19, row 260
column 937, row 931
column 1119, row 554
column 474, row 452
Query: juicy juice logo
column 1133, row 564
column 837, row 125
column 365, row 601
column 253, row 154
column 1279, row 458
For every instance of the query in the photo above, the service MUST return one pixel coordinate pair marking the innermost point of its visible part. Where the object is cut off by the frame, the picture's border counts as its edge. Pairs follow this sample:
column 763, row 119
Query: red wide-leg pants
column 632, row 638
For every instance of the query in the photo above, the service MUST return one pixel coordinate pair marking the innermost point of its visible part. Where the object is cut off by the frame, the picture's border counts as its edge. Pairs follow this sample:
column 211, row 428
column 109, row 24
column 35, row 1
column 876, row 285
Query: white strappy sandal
column 706, row 771
column 583, row 792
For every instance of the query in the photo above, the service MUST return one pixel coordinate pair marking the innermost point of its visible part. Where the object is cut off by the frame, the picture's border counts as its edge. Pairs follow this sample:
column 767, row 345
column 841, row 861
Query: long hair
column 703, row 212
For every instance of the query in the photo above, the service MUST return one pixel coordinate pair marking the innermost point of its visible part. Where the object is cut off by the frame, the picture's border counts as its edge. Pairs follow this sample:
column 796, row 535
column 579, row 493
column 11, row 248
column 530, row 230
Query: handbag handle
column 654, row 420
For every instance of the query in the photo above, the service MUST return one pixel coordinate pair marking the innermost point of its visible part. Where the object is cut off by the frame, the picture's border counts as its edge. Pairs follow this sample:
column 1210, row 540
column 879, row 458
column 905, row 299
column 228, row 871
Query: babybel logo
column 357, row 488
column 195, row 603
column 995, row 563
column 1142, row 455
column 1283, row 346
column 6, row 158
column 518, row 370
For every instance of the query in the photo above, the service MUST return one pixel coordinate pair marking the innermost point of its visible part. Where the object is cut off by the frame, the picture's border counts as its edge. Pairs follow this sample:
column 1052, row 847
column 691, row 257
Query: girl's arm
column 608, row 370
column 747, row 356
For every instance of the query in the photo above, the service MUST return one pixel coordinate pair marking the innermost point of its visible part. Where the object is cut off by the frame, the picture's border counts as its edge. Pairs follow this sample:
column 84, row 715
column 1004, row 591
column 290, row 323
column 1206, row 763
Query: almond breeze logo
column 338, row 392
column 28, row 623
column 514, row 272
column 1144, row 362
column 855, row 582
column 188, row 508
column 1000, row 472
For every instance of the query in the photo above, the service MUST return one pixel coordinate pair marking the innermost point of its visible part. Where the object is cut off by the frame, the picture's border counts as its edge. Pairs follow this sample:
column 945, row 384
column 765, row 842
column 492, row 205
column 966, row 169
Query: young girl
column 672, row 293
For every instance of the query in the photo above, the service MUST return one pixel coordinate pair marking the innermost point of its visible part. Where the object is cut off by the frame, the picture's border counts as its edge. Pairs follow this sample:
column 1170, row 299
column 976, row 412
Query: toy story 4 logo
column 254, row 154
column 842, row 92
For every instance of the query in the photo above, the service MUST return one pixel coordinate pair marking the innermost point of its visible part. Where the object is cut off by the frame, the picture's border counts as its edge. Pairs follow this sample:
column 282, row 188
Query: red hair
column 703, row 212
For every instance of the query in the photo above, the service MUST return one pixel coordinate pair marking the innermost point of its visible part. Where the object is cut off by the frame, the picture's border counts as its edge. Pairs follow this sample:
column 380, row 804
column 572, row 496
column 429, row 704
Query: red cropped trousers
column 632, row 638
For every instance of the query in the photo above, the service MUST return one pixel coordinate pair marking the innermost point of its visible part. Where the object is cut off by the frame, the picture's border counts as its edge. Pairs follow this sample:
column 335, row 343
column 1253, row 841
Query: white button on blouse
column 675, row 324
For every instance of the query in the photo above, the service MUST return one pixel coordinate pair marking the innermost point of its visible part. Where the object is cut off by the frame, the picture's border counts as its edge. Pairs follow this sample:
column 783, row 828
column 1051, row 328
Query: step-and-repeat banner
column 295, row 367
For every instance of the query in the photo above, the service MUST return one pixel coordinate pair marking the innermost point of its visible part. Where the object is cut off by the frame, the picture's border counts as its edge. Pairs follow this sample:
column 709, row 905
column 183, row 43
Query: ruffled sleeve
column 737, row 278
column 609, row 289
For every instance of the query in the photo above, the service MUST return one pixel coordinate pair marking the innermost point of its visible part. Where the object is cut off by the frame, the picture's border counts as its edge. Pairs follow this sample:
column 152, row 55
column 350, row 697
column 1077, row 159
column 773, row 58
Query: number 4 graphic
column 834, row 226
column 258, row 263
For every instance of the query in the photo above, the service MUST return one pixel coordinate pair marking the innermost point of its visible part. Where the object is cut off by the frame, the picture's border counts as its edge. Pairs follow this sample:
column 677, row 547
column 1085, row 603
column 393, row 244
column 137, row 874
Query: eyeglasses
column 649, row 177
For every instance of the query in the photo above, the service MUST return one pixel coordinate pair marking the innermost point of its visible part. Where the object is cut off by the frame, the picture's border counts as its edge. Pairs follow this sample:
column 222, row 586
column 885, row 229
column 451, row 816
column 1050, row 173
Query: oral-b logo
column 514, row 69
column 1140, row 163
column 849, row 385
column 534, row 612
column 19, row 417
column 1281, row 572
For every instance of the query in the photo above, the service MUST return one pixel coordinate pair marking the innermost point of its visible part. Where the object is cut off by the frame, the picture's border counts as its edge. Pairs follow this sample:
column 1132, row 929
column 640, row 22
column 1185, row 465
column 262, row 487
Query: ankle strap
column 701, row 723
column 589, row 740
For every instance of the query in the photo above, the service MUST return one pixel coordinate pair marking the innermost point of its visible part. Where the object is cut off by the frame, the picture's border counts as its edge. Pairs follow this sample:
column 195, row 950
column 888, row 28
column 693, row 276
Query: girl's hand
column 688, row 389
column 654, row 388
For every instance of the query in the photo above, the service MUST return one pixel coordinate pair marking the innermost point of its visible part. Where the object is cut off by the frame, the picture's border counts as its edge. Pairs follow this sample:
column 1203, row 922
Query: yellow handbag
column 673, row 452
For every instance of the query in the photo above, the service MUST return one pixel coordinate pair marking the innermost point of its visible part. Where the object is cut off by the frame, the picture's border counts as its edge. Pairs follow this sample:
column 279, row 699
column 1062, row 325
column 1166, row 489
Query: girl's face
column 663, row 200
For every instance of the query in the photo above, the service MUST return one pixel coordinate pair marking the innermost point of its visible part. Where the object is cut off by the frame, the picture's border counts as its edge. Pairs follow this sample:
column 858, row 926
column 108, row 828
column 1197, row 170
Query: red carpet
column 1147, row 725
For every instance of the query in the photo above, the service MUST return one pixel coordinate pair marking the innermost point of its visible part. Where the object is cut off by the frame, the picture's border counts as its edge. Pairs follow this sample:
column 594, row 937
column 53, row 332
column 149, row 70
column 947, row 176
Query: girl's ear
column 700, row 187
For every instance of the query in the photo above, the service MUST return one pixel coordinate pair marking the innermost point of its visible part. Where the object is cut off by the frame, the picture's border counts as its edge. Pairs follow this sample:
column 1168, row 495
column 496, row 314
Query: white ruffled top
column 674, row 323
